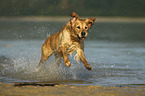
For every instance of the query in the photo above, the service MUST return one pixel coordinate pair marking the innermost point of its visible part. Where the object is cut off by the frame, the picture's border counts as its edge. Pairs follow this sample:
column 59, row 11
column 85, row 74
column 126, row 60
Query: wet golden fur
column 68, row 40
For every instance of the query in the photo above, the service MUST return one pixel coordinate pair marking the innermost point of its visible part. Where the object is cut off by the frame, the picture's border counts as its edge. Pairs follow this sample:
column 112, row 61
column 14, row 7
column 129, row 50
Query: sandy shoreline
column 60, row 19
column 68, row 90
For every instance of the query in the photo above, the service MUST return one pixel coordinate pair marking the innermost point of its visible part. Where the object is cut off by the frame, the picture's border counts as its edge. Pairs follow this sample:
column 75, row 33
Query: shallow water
column 114, row 61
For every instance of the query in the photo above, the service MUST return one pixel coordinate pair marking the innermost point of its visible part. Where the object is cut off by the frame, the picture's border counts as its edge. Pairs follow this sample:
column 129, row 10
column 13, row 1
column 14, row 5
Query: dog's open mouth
column 81, row 38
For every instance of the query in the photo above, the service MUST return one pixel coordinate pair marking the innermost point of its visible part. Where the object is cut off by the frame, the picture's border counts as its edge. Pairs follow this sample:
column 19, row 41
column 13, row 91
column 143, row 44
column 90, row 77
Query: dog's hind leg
column 46, row 53
column 58, row 58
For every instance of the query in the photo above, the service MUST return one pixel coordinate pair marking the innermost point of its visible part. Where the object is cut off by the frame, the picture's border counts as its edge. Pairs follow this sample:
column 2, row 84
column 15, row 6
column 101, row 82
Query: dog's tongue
column 83, row 38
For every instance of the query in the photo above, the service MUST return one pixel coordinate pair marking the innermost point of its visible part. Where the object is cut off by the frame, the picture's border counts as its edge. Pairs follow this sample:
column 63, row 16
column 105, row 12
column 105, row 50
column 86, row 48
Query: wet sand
column 68, row 90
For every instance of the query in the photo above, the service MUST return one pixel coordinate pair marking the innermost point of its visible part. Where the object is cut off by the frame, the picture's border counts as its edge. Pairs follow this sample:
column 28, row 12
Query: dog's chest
column 67, row 43
column 65, row 38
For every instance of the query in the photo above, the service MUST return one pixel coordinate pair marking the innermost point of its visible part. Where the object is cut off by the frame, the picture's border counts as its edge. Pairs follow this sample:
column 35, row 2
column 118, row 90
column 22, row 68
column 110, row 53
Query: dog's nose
column 83, row 33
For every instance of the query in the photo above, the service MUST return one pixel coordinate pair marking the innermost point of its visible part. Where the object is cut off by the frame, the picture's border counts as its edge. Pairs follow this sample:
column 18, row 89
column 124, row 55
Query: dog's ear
column 91, row 21
column 75, row 17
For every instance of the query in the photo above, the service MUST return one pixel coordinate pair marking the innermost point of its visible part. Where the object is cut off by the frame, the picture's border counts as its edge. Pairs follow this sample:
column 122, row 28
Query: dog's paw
column 89, row 67
column 68, row 64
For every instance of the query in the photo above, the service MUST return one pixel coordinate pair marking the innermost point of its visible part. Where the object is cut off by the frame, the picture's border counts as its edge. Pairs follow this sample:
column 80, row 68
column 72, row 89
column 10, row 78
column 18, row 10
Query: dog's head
column 80, row 27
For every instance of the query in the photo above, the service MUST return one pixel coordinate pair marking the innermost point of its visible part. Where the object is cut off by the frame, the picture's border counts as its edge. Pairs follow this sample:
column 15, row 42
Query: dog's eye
column 86, row 27
column 78, row 27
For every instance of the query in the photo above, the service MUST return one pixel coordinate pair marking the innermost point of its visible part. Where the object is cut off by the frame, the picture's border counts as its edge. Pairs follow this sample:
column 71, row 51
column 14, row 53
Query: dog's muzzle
column 83, row 35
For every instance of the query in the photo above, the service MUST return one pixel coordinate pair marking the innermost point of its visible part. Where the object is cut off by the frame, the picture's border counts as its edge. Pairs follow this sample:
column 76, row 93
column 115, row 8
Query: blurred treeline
column 133, row 8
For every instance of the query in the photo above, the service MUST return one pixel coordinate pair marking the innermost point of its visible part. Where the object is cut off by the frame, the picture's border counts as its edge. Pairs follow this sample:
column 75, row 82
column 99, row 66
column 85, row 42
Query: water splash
column 24, row 69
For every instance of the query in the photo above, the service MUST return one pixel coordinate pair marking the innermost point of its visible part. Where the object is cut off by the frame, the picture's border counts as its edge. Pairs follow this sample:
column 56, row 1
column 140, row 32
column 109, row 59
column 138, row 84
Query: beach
column 69, row 90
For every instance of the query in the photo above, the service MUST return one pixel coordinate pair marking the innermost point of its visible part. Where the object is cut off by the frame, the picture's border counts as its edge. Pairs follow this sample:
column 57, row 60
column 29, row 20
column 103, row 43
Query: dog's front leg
column 65, row 57
column 81, row 57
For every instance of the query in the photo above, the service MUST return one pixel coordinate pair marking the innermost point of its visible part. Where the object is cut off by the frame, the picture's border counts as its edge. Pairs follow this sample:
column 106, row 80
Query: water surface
column 116, row 52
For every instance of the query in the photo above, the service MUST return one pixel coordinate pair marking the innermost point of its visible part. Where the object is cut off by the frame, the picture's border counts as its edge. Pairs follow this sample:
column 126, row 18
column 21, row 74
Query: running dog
column 68, row 40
